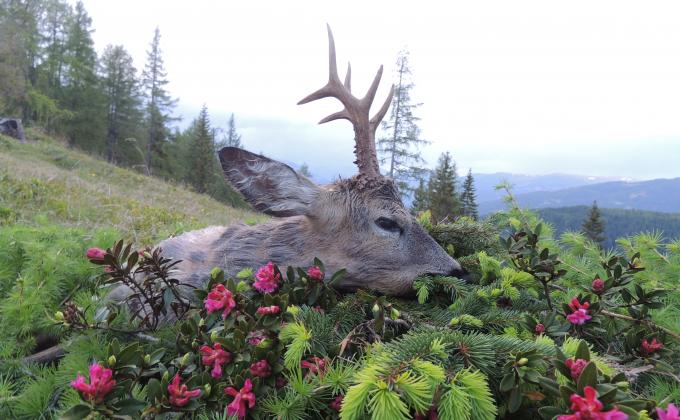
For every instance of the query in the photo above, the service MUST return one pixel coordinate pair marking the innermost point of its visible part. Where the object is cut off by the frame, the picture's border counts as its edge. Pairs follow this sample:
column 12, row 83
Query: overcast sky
column 533, row 87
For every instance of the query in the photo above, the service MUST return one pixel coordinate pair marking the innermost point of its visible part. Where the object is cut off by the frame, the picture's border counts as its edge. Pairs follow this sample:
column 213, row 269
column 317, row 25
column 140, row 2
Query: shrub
column 547, row 328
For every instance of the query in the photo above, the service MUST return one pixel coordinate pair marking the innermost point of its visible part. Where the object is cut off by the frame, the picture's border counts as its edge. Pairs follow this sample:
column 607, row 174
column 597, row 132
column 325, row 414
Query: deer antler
column 356, row 111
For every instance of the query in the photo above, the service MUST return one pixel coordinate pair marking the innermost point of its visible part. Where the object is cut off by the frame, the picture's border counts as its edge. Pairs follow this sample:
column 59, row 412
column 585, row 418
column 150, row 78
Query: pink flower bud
column 95, row 254
column 598, row 285
column 261, row 369
column 539, row 329
column 315, row 273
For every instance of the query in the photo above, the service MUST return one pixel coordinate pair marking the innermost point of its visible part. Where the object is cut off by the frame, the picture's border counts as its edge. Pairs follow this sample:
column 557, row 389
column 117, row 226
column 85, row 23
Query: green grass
column 43, row 182
column 55, row 202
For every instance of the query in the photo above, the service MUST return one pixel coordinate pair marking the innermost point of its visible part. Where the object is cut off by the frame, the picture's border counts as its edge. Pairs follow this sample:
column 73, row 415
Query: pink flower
column 590, row 408
column 215, row 357
column 101, row 383
column 579, row 316
column 539, row 329
column 268, row 310
column 336, row 404
column 649, row 348
column 95, row 254
column 267, row 279
column 315, row 273
column 256, row 337
column 180, row 394
column 314, row 364
column 245, row 395
column 671, row 413
column 598, row 285
column 261, row 369
column 575, row 305
column 576, row 366
column 220, row 298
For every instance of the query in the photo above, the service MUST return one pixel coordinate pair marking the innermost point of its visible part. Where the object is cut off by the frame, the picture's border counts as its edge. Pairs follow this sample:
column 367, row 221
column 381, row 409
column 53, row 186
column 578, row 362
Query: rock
column 12, row 127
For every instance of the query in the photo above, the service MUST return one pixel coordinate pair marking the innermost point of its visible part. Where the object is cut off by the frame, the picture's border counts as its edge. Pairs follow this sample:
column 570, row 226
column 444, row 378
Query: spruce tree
column 159, row 103
column 468, row 197
column 593, row 226
column 202, row 153
column 233, row 138
column 421, row 198
column 82, row 95
column 443, row 191
column 399, row 148
column 119, row 78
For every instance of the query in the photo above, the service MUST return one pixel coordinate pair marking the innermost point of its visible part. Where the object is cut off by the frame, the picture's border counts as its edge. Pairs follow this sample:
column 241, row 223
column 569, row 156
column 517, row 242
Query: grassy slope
column 44, row 182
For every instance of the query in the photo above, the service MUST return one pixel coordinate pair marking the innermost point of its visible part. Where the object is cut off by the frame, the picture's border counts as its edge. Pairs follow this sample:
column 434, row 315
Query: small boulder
column 12, row 127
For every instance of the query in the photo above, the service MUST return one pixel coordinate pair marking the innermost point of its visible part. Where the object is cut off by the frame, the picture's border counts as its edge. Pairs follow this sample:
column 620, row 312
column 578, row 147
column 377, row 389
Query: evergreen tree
column 304, row 170
column 202, row 153
column 593, row 226
column 19, row 52
column 233, row 138
column 468, row 197
column 82, row 94
column 159, row 103
column 119, row 78
column 421, row 198
column 399, row 148
column 443, row 192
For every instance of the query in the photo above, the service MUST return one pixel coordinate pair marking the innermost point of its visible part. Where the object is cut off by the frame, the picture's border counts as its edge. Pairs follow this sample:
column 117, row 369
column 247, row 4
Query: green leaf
column 549, row 412
column 588, row 377
column 508, row 382
column 154, row 390
column 582, row 352
column 515, row 400
column 77, row 412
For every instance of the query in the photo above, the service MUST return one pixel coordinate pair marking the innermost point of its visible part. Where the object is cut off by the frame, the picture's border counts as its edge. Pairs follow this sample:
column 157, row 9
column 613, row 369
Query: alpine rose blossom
column 671, row 413
column 579, row 316
column 590, row 408
column 576, row 366
column 314, row 364
column 598, row 285
column 101, row 383
column 180, row 394
column 267, row 279
column 220, row 298
column 539, row 329
column 268, row 310
column 648, row 348
column 315, row 273
column 95, row 254
column 215, row 356
column 261, row 369
column 336, row 404
column 241, row 397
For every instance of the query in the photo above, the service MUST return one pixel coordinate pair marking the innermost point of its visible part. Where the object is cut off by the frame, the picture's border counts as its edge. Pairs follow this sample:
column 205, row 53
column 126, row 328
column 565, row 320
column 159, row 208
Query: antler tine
column 382, row 111
column 356, row 111
column 348, row 78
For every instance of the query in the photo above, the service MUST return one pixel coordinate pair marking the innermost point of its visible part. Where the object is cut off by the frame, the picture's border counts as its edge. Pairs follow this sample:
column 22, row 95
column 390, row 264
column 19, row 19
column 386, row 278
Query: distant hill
column 662, row 195
column 522, row 184
column 618, row 222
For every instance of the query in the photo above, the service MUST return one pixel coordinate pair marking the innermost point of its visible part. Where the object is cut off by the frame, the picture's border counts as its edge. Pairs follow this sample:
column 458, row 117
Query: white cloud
column 530, row 87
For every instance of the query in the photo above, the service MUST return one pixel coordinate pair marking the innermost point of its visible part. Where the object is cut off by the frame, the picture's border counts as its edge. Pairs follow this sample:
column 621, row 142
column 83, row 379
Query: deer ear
column 271, row 187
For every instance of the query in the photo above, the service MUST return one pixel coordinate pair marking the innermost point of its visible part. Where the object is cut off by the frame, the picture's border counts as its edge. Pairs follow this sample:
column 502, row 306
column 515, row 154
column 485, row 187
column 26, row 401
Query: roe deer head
column 359, row 224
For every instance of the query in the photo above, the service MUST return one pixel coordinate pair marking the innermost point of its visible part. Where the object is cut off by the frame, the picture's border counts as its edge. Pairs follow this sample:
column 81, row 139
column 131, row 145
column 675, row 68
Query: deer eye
column 388, row 224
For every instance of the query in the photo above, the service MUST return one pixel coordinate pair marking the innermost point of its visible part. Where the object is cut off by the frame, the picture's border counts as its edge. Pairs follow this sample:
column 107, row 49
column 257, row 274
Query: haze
column 525, row 87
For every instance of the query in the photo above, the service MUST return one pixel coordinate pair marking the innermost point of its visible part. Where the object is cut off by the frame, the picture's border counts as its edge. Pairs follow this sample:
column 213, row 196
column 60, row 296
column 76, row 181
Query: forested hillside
column 661, row 195
column 52, row 77
column 618, row 222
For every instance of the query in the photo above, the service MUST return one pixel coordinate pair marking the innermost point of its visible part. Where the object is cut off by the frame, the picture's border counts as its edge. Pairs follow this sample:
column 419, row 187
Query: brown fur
column 336, row 223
